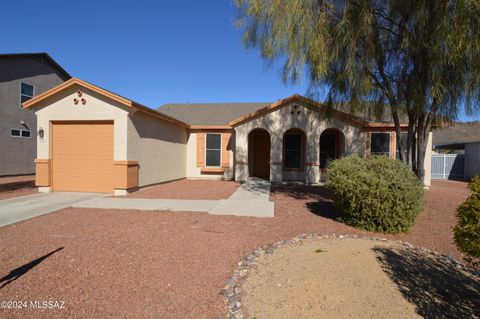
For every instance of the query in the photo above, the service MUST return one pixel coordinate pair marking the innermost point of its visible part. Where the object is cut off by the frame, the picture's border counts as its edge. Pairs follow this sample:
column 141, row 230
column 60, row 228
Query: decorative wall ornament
column 295, row 110
column 83, row 100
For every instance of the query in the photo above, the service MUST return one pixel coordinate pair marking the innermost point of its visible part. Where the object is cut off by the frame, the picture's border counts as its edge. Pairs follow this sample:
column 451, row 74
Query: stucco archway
column 259, row 153
column 294, row 154
column 332, row 146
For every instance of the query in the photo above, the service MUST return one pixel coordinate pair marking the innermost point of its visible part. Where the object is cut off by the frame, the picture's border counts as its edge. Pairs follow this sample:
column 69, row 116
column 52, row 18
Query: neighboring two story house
column 22, row 76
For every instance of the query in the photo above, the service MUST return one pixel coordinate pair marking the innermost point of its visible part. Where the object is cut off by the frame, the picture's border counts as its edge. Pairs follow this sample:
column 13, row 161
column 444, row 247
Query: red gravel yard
column 14, row 186
column 189, row 189
column 134, row 264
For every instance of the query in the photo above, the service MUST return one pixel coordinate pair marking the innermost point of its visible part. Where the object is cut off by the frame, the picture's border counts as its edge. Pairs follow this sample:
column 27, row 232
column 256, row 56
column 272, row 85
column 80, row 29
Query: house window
column 292, row 150
column 403, row 137
column 26, row 92
column 20, row 133
column 213, row 149
column 380, row 144
column 15, row 132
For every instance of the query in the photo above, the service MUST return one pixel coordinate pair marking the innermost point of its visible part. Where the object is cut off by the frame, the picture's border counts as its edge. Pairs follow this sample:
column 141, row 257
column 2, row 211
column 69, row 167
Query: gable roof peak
column 113, row 96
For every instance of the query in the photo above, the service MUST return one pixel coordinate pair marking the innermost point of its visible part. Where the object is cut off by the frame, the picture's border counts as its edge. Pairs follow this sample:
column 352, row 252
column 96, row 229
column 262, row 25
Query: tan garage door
column 82, row 157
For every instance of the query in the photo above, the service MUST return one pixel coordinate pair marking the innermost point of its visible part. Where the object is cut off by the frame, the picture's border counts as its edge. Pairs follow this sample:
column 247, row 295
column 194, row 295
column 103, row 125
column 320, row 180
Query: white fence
column 448, row 166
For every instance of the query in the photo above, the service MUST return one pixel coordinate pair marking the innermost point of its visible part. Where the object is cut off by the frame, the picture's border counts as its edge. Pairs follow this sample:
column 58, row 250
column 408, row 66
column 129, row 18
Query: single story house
column 94, row 140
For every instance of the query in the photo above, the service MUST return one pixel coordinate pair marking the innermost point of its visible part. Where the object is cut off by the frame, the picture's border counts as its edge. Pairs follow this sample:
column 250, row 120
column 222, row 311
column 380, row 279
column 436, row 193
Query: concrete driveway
column 20, row 208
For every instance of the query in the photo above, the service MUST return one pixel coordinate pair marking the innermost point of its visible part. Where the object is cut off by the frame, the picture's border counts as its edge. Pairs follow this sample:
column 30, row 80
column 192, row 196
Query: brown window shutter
column 393, row 144
column 200, row 149
column 226, row 149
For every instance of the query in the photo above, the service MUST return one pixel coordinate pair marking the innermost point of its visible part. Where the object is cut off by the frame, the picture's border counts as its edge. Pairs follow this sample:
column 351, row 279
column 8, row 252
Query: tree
column 419, row 57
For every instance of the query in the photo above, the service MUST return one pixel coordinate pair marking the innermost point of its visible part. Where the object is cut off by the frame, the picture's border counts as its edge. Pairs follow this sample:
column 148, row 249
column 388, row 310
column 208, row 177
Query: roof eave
column 268, row 108
column 120, row 99
column 46, row 55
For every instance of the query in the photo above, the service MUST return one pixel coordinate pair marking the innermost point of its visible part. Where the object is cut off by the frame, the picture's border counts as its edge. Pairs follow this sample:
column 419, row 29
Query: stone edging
column 232, row 290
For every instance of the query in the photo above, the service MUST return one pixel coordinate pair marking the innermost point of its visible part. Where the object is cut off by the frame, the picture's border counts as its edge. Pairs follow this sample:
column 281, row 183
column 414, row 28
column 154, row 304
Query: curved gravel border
column 232, row 290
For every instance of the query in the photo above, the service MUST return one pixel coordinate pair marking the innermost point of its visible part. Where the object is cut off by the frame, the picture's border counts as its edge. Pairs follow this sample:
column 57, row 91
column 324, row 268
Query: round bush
column 375, row 193
column 467, row 231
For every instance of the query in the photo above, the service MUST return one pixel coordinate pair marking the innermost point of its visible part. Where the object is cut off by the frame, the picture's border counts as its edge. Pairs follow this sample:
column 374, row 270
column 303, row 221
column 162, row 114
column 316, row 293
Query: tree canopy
column 420, row 57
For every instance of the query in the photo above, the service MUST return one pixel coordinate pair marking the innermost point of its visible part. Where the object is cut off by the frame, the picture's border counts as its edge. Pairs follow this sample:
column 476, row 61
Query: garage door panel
column 82, row 157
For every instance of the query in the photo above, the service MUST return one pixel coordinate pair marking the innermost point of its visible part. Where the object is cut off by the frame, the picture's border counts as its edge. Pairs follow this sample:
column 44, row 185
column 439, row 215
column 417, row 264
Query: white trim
column 221, row 147
column 21, row 131
column 20, row 95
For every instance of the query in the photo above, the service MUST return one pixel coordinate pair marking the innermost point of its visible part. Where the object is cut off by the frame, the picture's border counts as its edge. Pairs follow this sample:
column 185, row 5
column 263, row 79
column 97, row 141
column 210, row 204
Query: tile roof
column 224, row 113
column 209, row 113
column 457, row 133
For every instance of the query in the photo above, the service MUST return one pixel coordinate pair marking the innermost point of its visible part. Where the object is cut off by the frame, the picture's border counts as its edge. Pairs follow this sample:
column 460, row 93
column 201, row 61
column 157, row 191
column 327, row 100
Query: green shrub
column 375, row 193
column 467, row 231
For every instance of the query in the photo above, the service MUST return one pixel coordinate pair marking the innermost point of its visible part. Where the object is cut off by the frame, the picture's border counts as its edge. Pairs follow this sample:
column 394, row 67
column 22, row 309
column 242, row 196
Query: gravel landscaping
column 345, row 276
column 188, row 189
column 119, row 263
column 15, row 186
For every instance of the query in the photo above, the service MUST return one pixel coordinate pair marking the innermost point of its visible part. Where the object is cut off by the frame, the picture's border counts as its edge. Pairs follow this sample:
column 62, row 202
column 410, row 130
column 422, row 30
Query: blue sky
column 153, row 52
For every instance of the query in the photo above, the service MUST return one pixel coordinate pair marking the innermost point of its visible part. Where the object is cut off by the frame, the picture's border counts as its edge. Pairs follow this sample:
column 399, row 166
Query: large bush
column 375, row 193
column 467, row 231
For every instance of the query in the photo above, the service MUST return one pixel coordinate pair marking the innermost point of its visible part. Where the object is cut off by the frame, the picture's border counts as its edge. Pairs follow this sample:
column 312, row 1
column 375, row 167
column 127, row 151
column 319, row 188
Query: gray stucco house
column 22, row 76
column 462, row 139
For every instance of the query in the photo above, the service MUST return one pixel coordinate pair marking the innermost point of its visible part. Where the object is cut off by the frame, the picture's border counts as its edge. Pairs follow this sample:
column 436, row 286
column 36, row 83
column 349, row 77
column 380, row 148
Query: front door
column 261, row 154
column 328, row 149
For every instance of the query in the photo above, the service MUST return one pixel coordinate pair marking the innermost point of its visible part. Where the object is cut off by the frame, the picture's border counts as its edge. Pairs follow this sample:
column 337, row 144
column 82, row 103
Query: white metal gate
column 448, row 166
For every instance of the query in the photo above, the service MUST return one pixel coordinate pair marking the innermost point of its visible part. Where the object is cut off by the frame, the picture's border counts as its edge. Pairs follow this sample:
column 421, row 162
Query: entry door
column 328, row 149
column 82, row 157
column 261, row 155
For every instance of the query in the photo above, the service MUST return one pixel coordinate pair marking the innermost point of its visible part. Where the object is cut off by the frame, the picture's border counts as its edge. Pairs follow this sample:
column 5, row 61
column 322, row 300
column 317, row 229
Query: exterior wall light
column 41, row 133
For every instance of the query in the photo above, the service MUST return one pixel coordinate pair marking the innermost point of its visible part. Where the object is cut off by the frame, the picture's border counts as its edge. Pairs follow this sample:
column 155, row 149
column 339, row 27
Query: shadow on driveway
column 437, row 289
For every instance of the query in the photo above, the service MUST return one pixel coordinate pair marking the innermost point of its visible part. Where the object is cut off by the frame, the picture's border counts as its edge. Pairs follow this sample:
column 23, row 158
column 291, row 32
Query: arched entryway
column 332, row 146
column 294, row 142
column 259, row 153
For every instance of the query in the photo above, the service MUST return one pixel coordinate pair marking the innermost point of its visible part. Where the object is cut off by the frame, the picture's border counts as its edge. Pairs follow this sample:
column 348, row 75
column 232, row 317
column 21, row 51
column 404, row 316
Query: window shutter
column 200, row 149
column 393, row 144
column 226, row 149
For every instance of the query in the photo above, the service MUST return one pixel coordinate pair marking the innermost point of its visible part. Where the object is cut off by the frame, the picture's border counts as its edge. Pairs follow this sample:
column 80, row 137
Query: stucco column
column 427, row 164
column 241, row 156
column 312, row 159
column 276, row 149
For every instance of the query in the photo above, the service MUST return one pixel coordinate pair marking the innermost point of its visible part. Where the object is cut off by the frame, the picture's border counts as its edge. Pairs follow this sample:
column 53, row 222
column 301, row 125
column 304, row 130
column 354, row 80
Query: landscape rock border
column 232, row 290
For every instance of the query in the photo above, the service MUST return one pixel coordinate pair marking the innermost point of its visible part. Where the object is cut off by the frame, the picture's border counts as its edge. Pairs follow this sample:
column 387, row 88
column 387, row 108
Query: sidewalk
column 20, row 208
column 250, row 199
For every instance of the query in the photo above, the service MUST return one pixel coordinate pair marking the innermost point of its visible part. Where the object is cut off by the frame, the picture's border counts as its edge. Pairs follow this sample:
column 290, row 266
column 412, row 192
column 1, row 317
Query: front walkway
column 250, row 199
column 25, row 207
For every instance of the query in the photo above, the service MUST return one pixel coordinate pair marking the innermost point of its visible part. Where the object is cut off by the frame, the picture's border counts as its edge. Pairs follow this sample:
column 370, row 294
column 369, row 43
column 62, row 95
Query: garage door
column 82, row 157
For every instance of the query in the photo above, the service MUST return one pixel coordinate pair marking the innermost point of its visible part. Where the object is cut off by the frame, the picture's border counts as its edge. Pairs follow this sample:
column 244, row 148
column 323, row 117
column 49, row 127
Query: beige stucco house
column 90, row 139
